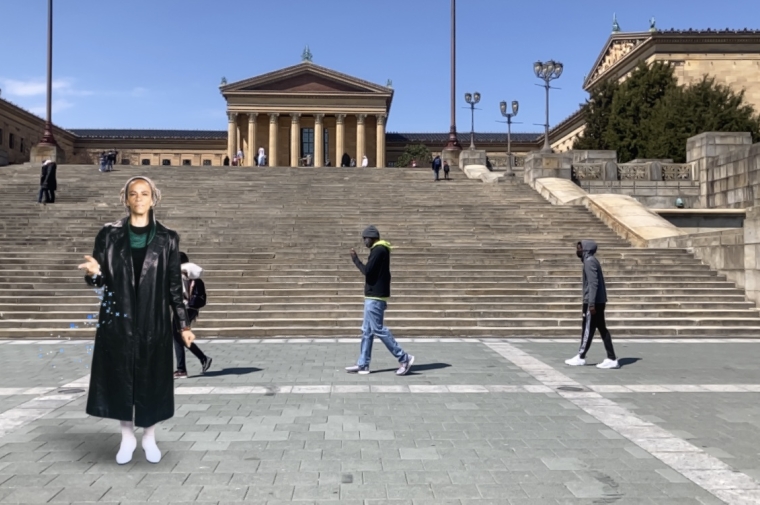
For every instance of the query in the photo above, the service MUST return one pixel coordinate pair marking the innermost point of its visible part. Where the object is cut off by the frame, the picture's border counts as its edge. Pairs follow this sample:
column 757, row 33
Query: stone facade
column 20, row 130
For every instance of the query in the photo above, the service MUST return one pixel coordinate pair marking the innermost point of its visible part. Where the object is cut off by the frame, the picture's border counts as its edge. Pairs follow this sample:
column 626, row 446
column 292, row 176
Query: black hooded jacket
column 377, row 271
column 594, row 288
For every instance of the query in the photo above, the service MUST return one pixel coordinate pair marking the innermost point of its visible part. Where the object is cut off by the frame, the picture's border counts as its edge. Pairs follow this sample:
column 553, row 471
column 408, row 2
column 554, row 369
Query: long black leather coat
column 132, row 363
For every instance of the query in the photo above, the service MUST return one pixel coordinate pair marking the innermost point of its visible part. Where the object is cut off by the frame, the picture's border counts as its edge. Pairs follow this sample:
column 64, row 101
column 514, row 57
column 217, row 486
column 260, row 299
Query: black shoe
column 206, row 364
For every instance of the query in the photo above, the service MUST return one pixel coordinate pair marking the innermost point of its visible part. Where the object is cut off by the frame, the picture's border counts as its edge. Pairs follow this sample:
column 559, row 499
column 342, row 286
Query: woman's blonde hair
column 155, row 192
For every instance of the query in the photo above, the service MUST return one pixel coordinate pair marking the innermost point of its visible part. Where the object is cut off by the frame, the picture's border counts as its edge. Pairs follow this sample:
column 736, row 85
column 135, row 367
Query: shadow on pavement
column 230, row 371
column 627, row 361
column 418, row 368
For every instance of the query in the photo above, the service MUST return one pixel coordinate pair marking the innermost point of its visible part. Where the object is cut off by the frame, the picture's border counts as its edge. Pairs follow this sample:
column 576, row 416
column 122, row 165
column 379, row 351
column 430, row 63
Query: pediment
column 305, row 78
column 618, row 47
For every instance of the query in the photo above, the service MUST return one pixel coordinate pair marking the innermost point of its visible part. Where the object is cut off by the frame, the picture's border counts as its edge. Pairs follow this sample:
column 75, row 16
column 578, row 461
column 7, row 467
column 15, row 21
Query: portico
column 307, row 114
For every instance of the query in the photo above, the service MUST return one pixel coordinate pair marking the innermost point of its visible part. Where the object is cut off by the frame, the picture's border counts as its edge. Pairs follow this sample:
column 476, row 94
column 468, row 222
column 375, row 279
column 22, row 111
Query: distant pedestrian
column 262, row 157
column 240, row 157
column 345, row 161
column 353, row 163
column 446, row 170
column 365, row 161
column 377, row 291
column 594, row 303
column 110, row 160
column 436, row 168
column 103, row 162
column 226, row 161
column 48, row 182
column 194, row 296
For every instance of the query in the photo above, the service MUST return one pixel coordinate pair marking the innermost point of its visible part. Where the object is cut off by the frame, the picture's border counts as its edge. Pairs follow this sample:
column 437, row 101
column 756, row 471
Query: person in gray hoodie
column 594, row 303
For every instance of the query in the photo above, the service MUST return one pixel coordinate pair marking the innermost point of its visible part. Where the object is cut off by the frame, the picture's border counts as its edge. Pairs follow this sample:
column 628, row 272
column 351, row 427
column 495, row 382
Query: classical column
column 319, row 140
column 380, row 141
column 274, row 120
column 252, row 138
column 295, row 134
column 231, row 134
column 360, row 138
column 339, row 140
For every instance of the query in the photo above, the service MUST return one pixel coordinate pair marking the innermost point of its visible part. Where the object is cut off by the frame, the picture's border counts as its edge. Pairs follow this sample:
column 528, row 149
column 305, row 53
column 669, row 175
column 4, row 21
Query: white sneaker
column 575, row 361
column 609, row 363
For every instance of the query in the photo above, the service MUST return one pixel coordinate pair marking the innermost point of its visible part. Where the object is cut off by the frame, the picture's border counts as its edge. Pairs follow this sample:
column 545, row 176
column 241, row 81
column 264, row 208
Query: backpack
column 197, row 295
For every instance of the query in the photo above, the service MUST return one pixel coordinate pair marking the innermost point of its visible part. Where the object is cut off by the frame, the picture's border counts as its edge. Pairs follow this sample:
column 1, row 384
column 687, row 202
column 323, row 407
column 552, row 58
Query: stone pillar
column 252, row 139
column 752, row 254
column 274, row 120
column 319, row 140
column 295, row 133
column 231, row 134
column 339, row 138
column 703, row 150
column 380, row 157
column 360, row 138
column 539, row 165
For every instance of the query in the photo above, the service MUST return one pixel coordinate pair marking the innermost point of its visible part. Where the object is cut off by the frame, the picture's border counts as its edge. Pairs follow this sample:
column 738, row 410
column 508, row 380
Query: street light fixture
column 509, row 116
column 548, row 71
column 472, row 99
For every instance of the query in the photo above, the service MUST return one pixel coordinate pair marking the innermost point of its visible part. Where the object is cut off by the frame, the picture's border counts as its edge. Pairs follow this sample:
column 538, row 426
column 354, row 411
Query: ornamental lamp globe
column 537, row 66
column 476, row 97
column 549, row 68
column 503, row 107
column 515, row 107
column 558, row 67
column 468, row 97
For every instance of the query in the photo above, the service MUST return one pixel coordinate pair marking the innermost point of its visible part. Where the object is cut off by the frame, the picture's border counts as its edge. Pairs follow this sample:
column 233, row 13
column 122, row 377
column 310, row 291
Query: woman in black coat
column 136, row 260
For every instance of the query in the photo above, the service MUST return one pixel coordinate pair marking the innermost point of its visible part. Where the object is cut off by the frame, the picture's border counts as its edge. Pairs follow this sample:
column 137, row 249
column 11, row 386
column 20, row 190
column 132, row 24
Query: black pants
column 436, row 174
column 47, row 194
column 179, row 349
column 590, row 323
column 446, row 174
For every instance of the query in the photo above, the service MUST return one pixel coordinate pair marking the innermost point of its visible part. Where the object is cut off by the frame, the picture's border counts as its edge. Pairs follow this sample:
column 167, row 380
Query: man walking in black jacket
column 594, row 303
column 377, row 290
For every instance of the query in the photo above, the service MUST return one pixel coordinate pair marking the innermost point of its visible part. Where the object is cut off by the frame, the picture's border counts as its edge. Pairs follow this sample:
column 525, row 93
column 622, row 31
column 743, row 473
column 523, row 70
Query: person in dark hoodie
column 377, row 290
column 594, row 303
column 48, row 183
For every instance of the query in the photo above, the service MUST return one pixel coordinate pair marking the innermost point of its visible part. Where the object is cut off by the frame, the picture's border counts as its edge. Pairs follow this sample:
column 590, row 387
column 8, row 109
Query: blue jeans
column 374, row 310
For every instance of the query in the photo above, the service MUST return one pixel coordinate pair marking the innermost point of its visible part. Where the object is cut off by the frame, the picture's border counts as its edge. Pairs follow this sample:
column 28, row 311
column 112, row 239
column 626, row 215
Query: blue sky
column 158, row 63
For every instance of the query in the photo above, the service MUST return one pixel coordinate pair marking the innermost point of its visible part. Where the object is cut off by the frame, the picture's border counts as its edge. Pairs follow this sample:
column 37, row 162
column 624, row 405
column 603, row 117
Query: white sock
column 152, row 452
column 128, row 443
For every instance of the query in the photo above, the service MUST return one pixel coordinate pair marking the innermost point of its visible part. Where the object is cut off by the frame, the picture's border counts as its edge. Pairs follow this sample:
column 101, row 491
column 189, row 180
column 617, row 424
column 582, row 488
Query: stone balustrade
column 638, row 171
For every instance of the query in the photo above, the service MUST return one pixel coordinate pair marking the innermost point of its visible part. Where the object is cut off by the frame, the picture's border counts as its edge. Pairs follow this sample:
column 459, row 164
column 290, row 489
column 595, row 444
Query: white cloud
column 58, row 106
column 61, row 87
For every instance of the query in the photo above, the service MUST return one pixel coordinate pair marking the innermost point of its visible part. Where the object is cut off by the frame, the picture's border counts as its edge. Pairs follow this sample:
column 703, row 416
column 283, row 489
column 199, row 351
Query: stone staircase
column 469, row 259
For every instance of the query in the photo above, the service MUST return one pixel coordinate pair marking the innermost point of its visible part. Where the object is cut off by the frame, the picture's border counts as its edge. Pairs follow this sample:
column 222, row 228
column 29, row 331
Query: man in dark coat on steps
column 48, row 182
column 137, row 263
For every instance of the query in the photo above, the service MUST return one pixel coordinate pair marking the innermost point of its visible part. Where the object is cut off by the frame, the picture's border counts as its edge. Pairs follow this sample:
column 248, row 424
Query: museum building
column 309, row 114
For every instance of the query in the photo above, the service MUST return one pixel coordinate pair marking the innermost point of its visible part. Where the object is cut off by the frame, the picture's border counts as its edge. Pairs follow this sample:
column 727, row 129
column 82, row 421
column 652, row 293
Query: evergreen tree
column 632, row 106
column 596, row 113
column 417, row 152
column 703, row 106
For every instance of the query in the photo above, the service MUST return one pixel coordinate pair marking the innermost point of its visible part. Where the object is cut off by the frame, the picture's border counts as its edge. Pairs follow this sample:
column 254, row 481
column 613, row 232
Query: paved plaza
column 475, row 422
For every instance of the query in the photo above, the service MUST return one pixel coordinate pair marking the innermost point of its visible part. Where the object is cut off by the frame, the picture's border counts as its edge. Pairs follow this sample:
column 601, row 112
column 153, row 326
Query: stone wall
column 729, row 169
column 653, row 194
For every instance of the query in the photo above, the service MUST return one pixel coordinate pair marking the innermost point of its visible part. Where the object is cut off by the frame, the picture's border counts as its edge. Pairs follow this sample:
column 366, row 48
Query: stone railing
column 634, row 171
column 588, row 171
column 639, row 171
column 676, row 172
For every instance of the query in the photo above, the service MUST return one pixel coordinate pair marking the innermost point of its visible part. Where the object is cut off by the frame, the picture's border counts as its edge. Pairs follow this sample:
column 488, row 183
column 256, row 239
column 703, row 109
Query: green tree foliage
column 418, row 152
column 701, row 107
column 650, row 116
column 632, row 108
column 596, row 112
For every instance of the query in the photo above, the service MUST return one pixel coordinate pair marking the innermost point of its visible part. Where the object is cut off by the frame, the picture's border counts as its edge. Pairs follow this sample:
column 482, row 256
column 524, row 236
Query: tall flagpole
column 453, row 147
column 47, row 137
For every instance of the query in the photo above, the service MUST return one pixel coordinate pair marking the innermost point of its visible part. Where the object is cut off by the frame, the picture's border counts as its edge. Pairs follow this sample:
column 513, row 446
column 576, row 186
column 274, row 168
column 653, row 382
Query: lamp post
column 548, row 71
column 47, row 136
column 452, row 146
column 472, row 99
column 509, row 116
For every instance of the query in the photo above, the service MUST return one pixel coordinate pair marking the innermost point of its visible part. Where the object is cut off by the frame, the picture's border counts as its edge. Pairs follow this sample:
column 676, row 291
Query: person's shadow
column 231, row 371
column 418, row 368
column 627, row 361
